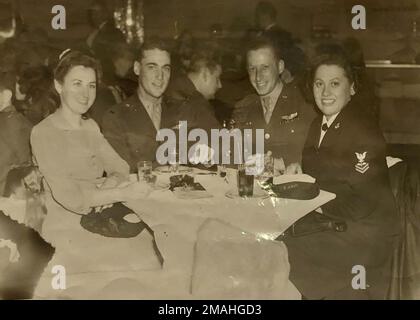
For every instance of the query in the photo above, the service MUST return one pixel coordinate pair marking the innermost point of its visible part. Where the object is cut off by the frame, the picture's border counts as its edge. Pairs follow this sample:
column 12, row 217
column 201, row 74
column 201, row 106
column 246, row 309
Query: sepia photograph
column 209, row 150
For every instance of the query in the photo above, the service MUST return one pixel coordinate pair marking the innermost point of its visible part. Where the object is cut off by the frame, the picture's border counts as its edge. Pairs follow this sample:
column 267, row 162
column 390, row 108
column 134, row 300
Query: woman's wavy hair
column 69, row 59
column 329, row 54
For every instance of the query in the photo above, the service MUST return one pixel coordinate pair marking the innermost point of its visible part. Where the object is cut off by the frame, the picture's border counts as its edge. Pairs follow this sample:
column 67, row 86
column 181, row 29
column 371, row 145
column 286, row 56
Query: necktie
column 324, row 129
column 156, row 115
column 267, row 109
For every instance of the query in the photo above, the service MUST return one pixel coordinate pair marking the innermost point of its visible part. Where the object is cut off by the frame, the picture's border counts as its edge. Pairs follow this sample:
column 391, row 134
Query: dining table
column 196, row 230
column 209, row 244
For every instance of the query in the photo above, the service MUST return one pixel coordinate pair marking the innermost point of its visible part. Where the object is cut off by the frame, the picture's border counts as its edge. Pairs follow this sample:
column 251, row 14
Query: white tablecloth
column 176, row 222
column 99, row 267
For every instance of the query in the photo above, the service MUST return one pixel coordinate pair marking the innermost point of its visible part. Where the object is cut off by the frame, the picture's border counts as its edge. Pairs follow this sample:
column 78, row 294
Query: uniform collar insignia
column 337, row 125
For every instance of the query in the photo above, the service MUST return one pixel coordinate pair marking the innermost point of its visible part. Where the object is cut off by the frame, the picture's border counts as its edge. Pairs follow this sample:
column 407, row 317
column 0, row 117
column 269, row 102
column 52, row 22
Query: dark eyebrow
column 76, row 79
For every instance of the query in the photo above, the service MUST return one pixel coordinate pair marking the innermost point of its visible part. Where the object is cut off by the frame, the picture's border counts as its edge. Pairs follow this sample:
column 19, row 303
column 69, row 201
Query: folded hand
column 293, row 168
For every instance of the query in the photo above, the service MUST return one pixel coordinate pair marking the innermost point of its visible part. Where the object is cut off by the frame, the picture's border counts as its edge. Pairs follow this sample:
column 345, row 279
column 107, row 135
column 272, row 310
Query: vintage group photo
column 210, row 150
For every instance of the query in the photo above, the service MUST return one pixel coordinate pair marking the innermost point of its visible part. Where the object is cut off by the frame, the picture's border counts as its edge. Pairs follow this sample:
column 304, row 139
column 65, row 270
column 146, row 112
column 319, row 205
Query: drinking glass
column 144, row 170
column 174, row 162
column 245, row 182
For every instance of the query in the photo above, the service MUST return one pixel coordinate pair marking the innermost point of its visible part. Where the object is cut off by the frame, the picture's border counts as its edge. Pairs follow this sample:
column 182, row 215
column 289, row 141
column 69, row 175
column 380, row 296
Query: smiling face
column 264, row 70
column 332, row 89
column 153, row 71
column 78, row 89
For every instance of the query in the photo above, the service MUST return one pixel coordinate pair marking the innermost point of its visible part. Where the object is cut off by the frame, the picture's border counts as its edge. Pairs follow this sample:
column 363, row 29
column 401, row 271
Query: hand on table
column 279, row 167
column 203, row 154
column 293, row 168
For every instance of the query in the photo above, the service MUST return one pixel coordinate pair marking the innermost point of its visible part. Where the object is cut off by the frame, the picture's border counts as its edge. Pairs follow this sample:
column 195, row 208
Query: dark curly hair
column 72, row 59
column 329, row 54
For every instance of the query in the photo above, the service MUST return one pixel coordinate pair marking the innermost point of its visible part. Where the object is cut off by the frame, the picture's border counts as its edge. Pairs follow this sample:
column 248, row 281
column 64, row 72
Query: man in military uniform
column 276, row 107
column 131, row 126
column 191, row 93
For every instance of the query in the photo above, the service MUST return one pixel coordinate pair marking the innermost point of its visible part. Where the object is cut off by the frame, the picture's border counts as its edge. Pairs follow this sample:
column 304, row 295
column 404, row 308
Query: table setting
column 202, row 209
column 210, row 235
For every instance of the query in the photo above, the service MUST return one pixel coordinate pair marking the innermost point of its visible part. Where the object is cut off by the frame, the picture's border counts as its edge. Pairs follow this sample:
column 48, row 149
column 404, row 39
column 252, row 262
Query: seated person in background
column 15, row 130
column 184, row 47
column 345, row 153
column 122, row 77
column 71, row 152
column 192, row 94
column 292, row 55
column 366, row 97
column 131, row 126
column 117, row 83
column 104, row 34
column 39, row 99
column 235, row 84
column 276, row 107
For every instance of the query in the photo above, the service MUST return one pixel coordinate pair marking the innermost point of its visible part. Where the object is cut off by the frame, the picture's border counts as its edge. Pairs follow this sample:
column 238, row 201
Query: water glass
column 144, row 170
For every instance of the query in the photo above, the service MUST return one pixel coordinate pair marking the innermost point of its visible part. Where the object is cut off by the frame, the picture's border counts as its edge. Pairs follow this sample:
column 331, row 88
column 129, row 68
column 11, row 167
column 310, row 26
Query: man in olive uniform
column 276, row 107
column 131, row 126
column 191, row 93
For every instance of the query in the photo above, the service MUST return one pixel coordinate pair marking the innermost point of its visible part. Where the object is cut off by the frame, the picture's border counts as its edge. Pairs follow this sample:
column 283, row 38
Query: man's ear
column 281, row 66
column 136, row 68
column 352, row 90
column 58, row 86
column 205, row 73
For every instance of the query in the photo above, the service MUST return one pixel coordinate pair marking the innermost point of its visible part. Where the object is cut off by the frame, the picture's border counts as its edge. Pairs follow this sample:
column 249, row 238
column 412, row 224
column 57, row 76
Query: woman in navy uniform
column 345, row 152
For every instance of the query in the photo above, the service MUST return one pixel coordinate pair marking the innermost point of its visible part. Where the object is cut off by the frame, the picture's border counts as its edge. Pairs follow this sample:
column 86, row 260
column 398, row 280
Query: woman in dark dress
column 345, row 152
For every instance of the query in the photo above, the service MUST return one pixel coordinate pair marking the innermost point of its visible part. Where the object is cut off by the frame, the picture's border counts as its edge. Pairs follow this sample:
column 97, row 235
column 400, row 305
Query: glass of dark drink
column 245, row 182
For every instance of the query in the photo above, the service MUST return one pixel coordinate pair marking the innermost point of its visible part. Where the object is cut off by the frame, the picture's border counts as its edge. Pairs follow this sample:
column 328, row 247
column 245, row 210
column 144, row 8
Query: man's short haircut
column 204, row 59
column 266, row 8
column 151, row 45
column 262, row 42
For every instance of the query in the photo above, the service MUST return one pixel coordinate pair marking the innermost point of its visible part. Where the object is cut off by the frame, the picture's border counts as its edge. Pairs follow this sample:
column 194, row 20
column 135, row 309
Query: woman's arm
column 73, row 194
column 359, row 191
column 115, row 166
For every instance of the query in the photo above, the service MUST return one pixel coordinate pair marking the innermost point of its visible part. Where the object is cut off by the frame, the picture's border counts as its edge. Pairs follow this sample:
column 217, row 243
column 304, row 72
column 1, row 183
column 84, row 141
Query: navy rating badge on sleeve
column 361, row 166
